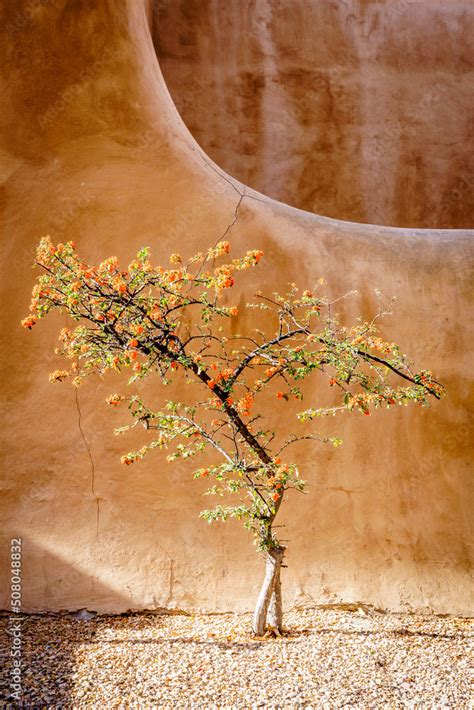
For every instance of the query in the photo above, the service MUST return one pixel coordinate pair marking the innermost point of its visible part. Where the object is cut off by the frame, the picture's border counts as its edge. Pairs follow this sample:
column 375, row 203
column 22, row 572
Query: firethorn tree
column 168, row 322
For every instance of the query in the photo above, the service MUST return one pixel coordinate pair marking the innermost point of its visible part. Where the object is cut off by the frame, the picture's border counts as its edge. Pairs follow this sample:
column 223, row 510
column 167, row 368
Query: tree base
column 269, row 609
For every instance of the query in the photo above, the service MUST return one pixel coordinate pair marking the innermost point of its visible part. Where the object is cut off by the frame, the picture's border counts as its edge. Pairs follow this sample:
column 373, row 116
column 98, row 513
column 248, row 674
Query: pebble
column 328, row 658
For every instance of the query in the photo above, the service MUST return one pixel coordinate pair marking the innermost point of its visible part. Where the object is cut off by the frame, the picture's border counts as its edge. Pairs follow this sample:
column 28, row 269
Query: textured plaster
column 95, row 150
column 358, row 110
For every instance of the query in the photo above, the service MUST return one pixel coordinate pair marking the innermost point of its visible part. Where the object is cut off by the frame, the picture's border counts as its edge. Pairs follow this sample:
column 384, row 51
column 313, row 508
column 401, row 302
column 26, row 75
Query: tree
column 169, row 322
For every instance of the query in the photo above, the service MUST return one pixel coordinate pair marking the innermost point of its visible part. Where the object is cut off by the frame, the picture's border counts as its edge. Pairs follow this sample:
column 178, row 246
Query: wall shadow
column 49, row 642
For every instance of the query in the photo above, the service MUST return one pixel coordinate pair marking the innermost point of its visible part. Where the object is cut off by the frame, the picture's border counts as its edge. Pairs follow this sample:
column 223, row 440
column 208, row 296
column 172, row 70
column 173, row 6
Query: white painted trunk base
column 269, row 609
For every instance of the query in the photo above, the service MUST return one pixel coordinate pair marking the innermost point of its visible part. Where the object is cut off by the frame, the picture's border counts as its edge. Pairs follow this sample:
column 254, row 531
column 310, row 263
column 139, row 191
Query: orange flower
column 245, row 403
column 137, row 367
column 28, row 322
column 280, row 395
column 133, row 343
column 211, row 384
column 234, row 311
column 230, row 401
column 275, row 496
column 332, row 381
column 114, row 399
column 119, row 285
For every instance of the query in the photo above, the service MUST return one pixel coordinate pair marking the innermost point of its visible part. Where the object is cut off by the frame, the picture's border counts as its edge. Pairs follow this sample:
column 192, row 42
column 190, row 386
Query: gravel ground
column 330, row 658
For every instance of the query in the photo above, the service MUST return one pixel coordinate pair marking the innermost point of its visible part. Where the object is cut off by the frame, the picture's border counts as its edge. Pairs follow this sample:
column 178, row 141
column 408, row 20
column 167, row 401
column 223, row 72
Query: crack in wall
column 233, row 221
column 218, row 172
column 235, row 218
column 89, row 453
column 171, row 574
column 264, row 198
column 169, row 598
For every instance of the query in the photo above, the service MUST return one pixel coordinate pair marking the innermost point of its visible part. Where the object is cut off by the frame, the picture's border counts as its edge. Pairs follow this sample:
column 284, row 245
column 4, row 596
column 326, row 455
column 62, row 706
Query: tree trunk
column 275, row 610
column 269, row 611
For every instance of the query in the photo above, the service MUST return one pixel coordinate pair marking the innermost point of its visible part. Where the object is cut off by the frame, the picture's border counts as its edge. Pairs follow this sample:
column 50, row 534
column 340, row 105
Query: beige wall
column 94, row 150
column 359, row 110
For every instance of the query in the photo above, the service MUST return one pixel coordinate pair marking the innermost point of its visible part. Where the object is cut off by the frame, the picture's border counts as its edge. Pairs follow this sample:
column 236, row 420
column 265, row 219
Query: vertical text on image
column 15, row 620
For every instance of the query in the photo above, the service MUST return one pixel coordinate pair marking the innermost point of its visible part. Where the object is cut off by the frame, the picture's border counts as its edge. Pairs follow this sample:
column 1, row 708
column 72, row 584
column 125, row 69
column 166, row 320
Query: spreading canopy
column 168, row 321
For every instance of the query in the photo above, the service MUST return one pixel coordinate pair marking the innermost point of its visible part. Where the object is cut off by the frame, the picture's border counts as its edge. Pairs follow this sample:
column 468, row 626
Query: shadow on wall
column 49, row 650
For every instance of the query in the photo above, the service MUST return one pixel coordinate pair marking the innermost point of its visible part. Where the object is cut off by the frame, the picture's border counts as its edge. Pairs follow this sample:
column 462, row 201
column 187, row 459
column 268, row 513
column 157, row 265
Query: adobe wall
column 358, row 110
column 93, row 149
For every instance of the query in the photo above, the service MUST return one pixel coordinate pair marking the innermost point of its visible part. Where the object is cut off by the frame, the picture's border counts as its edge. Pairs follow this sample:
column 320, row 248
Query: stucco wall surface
column 359, row 110
column 93, row 149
